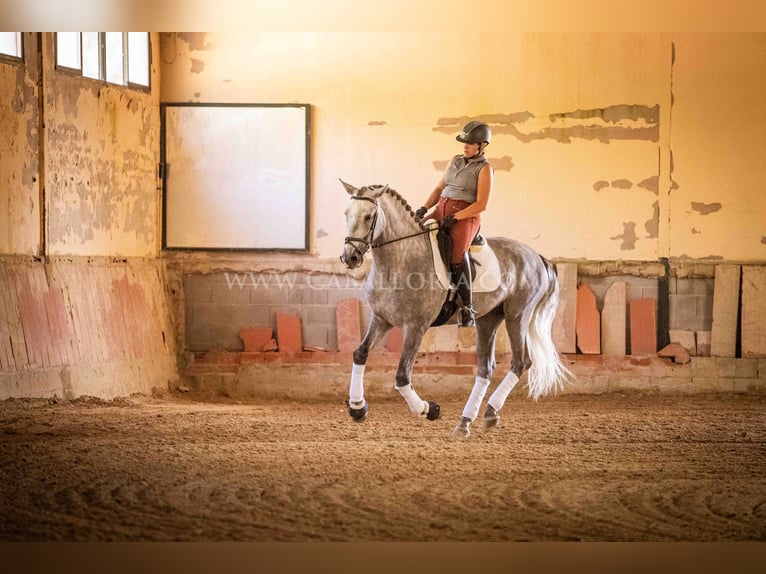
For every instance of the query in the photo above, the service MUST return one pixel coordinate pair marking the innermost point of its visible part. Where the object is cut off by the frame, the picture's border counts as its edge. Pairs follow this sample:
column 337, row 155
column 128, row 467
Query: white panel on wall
column 236, row 176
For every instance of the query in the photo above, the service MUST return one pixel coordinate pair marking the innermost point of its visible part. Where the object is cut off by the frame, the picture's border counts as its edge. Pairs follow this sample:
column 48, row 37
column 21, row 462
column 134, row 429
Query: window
column 10, row 44
column 235, row 176
column 68, row 50
column 115, row 57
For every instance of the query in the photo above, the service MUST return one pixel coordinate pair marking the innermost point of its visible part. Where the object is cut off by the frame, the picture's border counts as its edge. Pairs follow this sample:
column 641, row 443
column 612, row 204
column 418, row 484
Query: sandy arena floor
column 575, row 467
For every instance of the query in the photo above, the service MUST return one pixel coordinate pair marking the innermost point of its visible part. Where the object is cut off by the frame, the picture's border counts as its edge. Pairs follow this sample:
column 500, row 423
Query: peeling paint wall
column 718, row 205
column 72, row 327
column 84, row 303
column 19, row 158
column 101, row 156
column 591, row 159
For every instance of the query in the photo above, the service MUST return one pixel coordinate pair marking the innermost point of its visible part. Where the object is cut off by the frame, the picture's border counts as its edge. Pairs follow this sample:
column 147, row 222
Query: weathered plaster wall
column 585, row 133
column 72, row 327
column 101, row 158
column 718, row 138
column 94, row 315
column 19, row 153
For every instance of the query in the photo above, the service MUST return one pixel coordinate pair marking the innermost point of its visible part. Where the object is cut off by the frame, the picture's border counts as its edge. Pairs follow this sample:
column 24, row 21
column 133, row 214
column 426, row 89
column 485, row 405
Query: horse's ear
column 350, row 189
column 379, row 190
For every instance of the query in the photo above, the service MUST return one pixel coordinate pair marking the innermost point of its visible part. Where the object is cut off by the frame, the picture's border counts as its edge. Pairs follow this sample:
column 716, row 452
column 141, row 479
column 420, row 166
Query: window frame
column 17, row 60
column 102, row 63
column 163, row 174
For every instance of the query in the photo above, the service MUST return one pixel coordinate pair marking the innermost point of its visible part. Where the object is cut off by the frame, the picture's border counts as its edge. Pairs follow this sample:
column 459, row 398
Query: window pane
column 10, row 44
column 68, row 49
column 138, row 58
column 90, row 55
column 114, row 58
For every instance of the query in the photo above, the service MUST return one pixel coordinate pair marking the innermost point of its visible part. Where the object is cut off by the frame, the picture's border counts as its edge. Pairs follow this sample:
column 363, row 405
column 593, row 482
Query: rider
column 460, row 197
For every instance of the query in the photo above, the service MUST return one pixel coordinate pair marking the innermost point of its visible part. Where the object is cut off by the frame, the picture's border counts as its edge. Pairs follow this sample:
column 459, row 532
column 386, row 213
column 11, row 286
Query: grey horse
column 402, row 290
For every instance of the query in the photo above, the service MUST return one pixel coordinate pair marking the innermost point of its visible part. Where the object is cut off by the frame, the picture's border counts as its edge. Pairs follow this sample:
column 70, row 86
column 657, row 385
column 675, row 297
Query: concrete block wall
column 218, row 305
column 690, row 299
column 691, row 304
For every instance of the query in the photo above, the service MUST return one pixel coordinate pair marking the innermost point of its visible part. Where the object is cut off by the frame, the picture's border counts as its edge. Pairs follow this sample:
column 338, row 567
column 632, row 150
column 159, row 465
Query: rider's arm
column 483, row 191
column 433, row 198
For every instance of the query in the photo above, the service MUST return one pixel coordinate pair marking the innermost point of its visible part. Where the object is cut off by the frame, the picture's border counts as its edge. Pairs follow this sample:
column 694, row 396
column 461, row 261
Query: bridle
column 367, row 241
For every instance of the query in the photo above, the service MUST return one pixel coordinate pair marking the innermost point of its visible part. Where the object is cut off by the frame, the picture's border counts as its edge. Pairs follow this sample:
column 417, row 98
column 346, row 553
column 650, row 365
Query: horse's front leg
column 357, row 406
column 411, row 339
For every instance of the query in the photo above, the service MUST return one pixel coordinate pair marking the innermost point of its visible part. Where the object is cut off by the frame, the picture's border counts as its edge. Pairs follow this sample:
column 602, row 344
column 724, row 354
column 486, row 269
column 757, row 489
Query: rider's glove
column 420, row 212
column 448, row 222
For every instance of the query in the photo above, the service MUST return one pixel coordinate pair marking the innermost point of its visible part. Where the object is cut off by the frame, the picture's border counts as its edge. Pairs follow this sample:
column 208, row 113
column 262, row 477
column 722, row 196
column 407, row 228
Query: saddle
column 485, row 270
column 444, row 240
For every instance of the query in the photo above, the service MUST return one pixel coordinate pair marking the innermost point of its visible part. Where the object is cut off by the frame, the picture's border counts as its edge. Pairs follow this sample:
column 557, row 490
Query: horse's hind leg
column 517, row 324
column 486, row 331
column 357, row 406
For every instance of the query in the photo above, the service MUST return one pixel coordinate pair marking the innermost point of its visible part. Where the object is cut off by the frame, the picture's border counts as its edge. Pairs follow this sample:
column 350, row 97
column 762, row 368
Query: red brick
column 289, row 333
column 256, row 338
column 588, row 326
column 349, row 326
column 677, row 352
column 271, row 345
column 643, row 327
column 394, row 340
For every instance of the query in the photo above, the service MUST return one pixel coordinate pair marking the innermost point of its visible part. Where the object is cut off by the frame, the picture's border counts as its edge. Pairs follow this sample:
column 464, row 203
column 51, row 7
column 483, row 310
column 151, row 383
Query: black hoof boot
column 358, row 414
column 434, row 411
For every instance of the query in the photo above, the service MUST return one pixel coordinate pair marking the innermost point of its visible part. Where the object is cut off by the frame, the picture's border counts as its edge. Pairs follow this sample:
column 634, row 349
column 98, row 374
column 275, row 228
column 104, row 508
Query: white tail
column 547, row 372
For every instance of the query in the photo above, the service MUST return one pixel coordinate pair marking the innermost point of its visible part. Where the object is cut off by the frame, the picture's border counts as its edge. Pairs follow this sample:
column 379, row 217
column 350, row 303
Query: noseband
column 366, row 241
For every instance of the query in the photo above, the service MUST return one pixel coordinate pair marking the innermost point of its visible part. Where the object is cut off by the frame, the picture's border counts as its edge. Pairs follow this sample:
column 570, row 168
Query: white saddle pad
column 487, row 267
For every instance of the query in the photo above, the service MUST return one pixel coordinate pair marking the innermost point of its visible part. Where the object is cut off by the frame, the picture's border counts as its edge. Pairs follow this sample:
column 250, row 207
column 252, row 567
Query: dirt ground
column 611, row 467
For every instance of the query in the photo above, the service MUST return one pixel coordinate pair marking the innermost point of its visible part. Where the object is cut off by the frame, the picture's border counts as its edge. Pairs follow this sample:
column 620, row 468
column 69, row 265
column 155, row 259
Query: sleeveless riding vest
column 462, row 177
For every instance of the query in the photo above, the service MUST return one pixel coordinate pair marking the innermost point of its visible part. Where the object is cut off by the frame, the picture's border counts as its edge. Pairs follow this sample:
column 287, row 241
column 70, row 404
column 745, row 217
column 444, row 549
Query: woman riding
column 460, row 197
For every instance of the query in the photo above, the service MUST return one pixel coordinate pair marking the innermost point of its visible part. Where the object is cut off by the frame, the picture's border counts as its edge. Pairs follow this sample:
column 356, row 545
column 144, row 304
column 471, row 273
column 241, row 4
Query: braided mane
column 398, row 197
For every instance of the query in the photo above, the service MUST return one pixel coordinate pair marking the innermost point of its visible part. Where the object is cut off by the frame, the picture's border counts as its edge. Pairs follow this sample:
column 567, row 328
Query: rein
column 367, row 239
column 382, row 243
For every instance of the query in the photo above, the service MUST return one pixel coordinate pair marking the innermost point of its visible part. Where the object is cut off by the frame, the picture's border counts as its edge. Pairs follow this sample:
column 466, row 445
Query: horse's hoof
column 433, row 411
column 491, row 418
column 357, row 414
column 463, row 428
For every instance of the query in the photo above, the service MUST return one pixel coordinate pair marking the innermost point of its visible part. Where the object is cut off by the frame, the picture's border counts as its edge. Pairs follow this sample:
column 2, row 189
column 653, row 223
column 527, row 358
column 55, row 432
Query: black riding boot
column 461, row 276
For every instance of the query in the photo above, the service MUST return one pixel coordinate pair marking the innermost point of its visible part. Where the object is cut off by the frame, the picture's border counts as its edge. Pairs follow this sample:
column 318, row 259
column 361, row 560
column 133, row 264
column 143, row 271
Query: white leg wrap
column 497, row 400
column 356, row 389
column 416, row 404
column 471, row 409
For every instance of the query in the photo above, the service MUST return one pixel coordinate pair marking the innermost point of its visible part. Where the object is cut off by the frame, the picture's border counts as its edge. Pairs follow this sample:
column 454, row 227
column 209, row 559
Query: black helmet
column 475, row 132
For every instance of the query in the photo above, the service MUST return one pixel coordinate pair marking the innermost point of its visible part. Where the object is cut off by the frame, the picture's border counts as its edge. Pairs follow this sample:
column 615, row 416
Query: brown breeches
column 463, row 231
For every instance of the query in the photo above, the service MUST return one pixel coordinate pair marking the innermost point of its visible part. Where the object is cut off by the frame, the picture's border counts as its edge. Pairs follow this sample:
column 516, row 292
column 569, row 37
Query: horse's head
column 365, row 222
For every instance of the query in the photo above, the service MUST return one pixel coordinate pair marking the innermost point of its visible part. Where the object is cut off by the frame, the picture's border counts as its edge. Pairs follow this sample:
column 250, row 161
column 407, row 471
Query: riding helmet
column 475, row 132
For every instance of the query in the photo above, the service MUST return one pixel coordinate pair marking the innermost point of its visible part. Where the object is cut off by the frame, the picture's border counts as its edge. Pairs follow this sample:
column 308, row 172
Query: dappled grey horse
column 402, row 290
